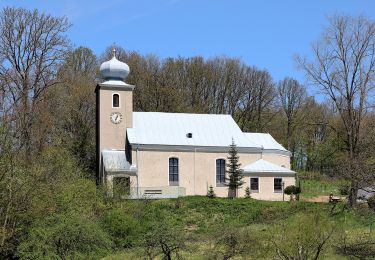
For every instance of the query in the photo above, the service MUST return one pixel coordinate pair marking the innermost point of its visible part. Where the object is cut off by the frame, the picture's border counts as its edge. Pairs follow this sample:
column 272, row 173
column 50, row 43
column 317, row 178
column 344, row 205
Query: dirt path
column 317, row 199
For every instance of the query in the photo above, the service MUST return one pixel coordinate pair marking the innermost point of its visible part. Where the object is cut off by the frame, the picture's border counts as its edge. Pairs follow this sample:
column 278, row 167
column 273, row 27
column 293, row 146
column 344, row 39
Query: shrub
column 292, row 190
column 211, row 193
column 247, row 192
column 122, row 227
column 163, row 238
column 371, row 202
column 65, row 237
column 344, row 190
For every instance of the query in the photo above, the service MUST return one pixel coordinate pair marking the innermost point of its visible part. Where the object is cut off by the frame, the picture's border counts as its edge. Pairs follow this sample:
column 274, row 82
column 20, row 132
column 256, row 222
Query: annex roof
column 115, row 161
column 265, row 140
column 263, row 166
column 159, row 128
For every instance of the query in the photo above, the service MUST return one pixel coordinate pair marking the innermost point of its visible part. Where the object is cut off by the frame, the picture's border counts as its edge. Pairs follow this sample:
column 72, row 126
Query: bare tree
column 32, row 45
column 291, row 97
column 343, row 66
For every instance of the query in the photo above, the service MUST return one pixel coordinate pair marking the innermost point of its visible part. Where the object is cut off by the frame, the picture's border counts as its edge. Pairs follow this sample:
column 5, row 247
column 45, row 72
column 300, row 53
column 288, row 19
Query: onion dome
column 114, row 69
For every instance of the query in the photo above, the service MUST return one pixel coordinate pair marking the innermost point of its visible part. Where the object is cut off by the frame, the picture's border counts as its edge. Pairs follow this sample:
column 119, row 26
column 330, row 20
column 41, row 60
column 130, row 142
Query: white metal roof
column 265, row 140
column 115, row 161
column 263, row 166
column 172, row 128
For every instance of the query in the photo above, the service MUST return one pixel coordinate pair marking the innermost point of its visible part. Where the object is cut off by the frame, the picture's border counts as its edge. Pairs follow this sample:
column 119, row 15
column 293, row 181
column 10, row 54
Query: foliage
column 164, row 238
column 122, row 227
column 65, row 236
column 292, row 190
column 211, row 193
column 361, row 246
column 305, row 237
column 344, row 190
column 247, row 192
column 232, row 243
column 371, row 202
column 234, row 171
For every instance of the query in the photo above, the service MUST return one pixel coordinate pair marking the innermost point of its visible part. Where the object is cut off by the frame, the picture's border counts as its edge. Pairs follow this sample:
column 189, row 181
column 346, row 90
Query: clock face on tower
column 116, row 117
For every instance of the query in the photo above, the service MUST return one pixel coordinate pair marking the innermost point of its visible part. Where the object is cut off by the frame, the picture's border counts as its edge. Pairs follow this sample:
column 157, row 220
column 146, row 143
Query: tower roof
column 114, row 69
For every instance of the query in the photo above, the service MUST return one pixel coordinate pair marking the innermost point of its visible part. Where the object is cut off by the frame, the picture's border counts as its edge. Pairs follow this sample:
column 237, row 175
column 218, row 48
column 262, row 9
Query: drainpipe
column 136, row 160
column 195, row 150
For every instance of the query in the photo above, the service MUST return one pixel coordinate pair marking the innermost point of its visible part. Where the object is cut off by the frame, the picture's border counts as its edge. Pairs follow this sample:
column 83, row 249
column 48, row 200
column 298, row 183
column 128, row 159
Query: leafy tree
column 211, row 193
column 234, row 171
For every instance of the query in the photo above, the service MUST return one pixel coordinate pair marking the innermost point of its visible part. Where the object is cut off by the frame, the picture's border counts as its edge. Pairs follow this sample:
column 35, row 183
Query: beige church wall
column 196, row 175
column 112, row 136
column 266, row 188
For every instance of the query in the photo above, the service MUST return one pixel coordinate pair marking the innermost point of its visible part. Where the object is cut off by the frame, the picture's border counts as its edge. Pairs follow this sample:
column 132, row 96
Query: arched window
column 173, row 171
column 220, row 171
column 116, row 100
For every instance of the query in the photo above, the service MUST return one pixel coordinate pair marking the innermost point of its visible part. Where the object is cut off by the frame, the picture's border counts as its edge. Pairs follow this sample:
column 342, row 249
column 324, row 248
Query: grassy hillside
column 72, row 218
column 204, row 221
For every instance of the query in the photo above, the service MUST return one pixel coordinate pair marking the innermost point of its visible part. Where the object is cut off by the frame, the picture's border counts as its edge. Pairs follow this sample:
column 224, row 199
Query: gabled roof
column 265, row 140
column 158, row 128
column 263, row 166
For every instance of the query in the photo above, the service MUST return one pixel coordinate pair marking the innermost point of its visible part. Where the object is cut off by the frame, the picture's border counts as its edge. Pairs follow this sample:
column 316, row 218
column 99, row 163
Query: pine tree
column 211, row 193
column 234, row 171
column 247, row 192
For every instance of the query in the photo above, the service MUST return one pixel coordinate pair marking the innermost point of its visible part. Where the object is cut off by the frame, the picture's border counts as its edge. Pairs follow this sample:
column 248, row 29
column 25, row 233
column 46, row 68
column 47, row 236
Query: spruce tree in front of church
column 234, row 171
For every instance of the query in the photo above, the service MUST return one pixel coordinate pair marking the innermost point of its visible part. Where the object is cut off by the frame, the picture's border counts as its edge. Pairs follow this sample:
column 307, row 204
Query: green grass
column 314, row 185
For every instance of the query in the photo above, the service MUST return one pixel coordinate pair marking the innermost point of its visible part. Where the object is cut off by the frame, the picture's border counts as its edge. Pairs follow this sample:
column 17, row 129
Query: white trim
column 178, row 160
column 257, row 177
column 273, row 185
column 215, row 169
column 119, row 99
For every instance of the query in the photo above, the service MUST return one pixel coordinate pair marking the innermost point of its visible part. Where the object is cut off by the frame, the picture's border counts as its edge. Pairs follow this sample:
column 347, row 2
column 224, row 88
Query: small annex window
column 254, row 185
column 220, row 172
column 173, row 171
column 278, row 185
column 115, row 100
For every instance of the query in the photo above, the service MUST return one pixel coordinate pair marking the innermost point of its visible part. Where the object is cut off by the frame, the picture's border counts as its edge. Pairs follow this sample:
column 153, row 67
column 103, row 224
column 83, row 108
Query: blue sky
column 264, row 33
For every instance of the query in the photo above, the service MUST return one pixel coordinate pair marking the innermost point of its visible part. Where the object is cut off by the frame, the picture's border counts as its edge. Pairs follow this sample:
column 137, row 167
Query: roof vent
column 189, row 135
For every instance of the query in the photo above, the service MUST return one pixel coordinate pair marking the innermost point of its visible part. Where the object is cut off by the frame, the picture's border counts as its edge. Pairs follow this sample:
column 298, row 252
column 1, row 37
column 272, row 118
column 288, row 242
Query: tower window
column 116, row 100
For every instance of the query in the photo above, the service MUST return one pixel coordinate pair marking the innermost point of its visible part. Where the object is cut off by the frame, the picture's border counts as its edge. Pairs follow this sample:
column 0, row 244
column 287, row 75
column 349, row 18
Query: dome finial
column 114, row 52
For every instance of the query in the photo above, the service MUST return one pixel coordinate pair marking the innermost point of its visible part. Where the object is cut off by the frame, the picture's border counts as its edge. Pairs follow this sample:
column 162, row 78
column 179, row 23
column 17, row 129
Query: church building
column 168, row 155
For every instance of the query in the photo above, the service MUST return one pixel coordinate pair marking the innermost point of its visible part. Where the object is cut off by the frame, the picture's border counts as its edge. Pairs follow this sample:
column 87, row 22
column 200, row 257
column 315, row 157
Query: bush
column 122, row 227
column 292, row 190
column 344, row 190
column 211, row 193
column 247, row 192
column 163, row 238
column 65, row 237
column 371, row 202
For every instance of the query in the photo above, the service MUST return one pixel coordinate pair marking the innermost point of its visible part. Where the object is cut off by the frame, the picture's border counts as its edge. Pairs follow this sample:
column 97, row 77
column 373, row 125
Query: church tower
column 114, row 109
